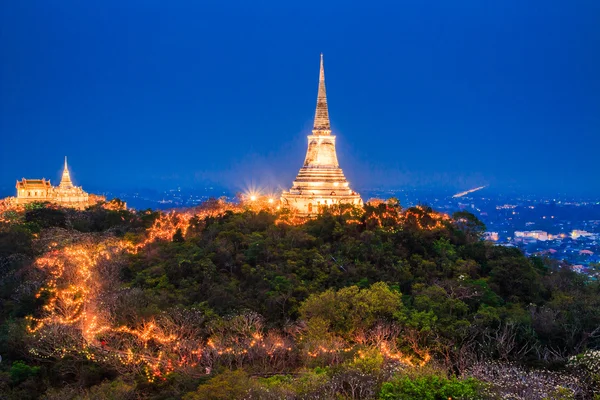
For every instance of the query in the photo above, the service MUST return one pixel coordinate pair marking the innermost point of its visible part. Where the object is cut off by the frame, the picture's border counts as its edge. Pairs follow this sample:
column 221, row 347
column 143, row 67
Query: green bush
column 20, row 371
column 111, row 390
column 430, row 388
column 229, row 385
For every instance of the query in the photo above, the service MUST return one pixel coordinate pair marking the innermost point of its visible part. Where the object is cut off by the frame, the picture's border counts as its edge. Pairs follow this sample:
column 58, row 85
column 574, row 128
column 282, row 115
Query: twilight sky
column 159, row 94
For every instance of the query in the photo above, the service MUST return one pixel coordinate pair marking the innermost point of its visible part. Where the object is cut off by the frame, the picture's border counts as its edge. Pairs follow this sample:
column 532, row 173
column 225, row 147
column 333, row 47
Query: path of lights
column 392, row 218
column 76, row 318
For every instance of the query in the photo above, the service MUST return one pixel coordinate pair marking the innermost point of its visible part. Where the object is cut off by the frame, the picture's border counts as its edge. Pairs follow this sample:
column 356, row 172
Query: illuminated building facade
column 491, row 236
column 320, row 182
column 576, row 234
column 65, row 194
column 537, row 235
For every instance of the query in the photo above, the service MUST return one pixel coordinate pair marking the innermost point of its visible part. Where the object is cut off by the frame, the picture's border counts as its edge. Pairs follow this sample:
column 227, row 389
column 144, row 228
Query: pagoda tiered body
column 321, row 181
column 65, row 194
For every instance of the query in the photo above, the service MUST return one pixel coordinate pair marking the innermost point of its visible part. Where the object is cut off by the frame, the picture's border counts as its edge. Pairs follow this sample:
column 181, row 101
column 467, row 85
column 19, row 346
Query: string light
column 76, row 283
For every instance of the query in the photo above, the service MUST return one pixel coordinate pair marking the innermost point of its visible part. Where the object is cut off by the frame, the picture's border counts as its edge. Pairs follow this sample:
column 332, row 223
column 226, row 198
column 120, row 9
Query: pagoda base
column 310, row 205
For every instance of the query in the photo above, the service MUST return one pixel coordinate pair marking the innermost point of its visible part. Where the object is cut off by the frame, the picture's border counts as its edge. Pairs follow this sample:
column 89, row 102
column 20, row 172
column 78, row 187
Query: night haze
column 454, row 95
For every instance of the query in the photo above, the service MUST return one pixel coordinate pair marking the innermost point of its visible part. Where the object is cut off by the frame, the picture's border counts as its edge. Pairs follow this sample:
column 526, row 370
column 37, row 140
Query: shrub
column 115, row 390
column 430, row 387
column 588, row 360
column 587, row 366
column 512, row 381
column 229, row 385
column 20, row 371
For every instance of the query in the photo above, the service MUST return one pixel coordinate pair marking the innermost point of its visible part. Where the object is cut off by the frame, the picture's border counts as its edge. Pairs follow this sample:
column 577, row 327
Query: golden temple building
column 65, row 194
column 320, row 182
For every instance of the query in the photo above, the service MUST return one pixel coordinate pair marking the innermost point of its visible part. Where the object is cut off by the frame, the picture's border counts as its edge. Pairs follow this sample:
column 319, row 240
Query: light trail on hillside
column 80, row 286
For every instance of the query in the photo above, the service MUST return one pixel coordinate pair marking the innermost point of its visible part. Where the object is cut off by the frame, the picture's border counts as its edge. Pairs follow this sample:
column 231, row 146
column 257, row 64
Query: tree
column 350, row 309
column 47, row 217
column 515, row 279
column 178, row 236
column 469, row 225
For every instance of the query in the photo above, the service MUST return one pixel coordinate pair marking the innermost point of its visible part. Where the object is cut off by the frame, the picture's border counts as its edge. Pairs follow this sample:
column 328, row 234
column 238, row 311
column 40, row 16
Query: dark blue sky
column 421, row 93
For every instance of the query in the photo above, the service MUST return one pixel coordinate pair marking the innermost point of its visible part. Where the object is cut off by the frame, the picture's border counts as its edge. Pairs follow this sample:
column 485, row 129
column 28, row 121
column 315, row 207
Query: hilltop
column 229, row 301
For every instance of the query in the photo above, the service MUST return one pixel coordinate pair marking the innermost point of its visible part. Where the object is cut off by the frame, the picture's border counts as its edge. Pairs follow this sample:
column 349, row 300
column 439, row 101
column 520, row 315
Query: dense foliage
column 373, row 303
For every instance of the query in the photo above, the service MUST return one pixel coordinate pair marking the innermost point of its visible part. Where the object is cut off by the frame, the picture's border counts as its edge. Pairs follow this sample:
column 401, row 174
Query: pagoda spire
column 322, row 113
column 65, row 182
column 320, row 183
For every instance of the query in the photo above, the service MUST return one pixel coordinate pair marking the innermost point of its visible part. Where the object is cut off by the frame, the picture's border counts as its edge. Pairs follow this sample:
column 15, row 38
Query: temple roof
column 322, row 113
column 33, row 184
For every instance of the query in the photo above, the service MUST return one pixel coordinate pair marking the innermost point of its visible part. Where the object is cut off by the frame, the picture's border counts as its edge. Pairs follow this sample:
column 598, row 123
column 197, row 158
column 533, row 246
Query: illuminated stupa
column 65, row 181
column 320, row 182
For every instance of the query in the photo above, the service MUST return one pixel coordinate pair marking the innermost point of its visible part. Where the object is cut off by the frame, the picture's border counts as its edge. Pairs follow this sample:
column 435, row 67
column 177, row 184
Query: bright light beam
column 461, row 194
